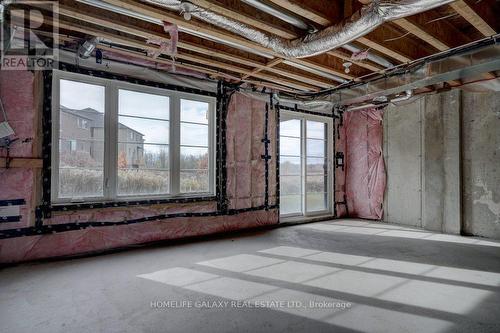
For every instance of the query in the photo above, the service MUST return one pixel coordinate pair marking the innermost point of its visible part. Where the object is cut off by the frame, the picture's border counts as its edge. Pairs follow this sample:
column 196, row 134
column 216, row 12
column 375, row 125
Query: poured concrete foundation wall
column 442, row 158
column 481, row 163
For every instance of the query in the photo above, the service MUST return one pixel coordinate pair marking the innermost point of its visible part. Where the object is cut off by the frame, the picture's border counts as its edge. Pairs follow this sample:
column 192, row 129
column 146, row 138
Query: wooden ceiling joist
column 213, row 6
column 308, row 13
column 267, row 66
column 464, row 10
column 174, row 18
column 136, row 31
column 384, row 50
column 417, row 31
column 220, row 53
column 115, row 38
column 194, row 67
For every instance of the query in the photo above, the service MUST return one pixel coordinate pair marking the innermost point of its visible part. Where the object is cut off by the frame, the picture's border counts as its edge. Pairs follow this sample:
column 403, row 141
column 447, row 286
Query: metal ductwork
column 297, row 22
column 370, row 17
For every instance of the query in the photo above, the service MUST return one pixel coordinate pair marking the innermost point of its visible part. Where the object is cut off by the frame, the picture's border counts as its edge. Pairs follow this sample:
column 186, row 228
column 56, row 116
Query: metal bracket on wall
column 339, row 160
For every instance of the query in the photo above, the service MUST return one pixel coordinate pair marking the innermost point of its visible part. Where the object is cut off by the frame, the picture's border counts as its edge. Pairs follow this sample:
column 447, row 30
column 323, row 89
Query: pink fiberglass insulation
column 101, row 238
column 244, row 133
column 245, row 166
column 17, row 184
column 16, row 93
column 365, row 176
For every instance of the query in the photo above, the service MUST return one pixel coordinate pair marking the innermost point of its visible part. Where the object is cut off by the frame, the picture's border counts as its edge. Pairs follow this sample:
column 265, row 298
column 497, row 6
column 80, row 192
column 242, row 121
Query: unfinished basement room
column 250, row 166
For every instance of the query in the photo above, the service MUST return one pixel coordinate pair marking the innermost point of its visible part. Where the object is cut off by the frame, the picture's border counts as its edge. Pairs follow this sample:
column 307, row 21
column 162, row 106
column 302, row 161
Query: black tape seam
column 13, row 202
column 6, row 219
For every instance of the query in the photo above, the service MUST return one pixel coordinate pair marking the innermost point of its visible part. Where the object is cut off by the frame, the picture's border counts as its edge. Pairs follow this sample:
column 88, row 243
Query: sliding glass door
column 306, row 148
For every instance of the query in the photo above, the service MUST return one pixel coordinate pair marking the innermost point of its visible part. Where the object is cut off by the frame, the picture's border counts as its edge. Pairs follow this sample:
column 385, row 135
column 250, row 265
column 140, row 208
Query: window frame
column 110, row 163
column 303, row 117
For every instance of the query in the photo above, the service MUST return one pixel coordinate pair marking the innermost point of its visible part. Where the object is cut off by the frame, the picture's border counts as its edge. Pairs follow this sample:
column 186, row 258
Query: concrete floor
column 359, row 276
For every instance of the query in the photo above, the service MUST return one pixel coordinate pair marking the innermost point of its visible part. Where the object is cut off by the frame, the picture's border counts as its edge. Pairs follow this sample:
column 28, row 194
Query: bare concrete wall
column 481, row 163
column 442, row 155
column 441, row 162
column 402, row 152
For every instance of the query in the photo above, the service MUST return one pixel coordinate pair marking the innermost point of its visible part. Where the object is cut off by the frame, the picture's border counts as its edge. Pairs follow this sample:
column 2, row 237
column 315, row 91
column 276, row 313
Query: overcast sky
column 77, row 95
column 291, row 146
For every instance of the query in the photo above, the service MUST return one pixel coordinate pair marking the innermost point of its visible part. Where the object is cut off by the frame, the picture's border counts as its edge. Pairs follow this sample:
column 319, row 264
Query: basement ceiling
column 221, row 54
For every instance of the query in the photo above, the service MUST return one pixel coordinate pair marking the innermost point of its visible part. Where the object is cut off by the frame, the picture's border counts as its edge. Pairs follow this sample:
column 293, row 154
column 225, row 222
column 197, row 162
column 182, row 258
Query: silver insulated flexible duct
column 370, row 17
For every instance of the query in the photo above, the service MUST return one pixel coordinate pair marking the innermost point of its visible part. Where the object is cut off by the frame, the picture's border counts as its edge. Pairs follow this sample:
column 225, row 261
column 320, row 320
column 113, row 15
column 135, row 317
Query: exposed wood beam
column 194, row 67
column 384, row 50
column 279, row 31
column 236, row 69
column 472, row 17
column 165, row 15
column 417, row 31
column 308, row 13
column 19, row 162
column 142, row 45
column 133, row 30
column 174, row 18
column 267, row 66
column 132, row 43
column 320, row 67
column 211, row 5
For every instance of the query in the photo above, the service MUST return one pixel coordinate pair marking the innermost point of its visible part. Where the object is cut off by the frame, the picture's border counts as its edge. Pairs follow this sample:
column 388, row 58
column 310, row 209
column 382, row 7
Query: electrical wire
column 442, row 18
column 396, row 38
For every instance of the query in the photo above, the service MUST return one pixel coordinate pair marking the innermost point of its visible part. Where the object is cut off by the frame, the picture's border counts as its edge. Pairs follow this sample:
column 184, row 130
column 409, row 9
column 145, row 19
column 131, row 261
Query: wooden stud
column 18, row 162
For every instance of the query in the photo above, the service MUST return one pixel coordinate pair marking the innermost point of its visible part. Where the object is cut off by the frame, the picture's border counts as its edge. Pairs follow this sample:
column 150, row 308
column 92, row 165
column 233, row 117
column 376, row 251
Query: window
column 82, row 123
column 305, row 148
column 143, row 142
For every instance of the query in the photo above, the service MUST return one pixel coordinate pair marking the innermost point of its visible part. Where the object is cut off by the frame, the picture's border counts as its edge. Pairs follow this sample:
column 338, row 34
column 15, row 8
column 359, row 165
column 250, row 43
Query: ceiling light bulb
column 187, row 16
column 347, row 66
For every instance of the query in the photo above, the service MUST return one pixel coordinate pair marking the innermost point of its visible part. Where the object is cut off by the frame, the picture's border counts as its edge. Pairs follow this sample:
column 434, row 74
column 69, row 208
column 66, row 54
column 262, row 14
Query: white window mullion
column 303, row 158
column 211, row 147
column 174, row 147
column 111, row 138
column 55, row 137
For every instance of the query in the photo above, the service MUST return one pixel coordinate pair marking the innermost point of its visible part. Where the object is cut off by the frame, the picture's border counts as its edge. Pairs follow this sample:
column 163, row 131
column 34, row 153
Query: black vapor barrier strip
column 277, row 115
column 266, row 157
column 13, row 202
column 224, row 94
column 44, row 210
